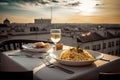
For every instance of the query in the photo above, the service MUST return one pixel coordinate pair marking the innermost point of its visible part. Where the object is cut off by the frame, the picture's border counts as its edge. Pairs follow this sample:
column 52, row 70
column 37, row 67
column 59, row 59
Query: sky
column 61, row 11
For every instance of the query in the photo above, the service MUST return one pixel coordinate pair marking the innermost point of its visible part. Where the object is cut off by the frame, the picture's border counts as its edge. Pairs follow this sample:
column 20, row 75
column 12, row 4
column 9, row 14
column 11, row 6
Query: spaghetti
column 75, row 54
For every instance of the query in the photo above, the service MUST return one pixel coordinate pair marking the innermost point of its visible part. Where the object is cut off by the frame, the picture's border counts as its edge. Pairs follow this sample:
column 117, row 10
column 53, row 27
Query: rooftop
column 88, row 38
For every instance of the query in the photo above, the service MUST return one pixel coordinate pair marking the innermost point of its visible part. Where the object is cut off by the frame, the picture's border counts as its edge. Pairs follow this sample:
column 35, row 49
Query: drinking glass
column 55, row 35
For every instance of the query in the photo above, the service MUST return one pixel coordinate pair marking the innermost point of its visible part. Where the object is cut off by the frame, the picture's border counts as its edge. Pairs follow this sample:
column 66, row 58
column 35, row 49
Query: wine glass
column 55, row 35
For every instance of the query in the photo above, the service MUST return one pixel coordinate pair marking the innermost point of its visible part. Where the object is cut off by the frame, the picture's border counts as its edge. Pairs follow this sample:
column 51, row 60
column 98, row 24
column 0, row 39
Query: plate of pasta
column 76, row 56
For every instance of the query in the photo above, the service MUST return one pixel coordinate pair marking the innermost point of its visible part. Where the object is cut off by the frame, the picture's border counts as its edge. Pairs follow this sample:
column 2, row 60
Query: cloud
column 74, row 3
column 30, row 1
column 44, row 2
column 3, row 3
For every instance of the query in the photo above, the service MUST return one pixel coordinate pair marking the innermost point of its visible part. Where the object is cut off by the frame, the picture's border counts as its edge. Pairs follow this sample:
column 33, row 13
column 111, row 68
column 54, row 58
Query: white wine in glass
column 55, row 35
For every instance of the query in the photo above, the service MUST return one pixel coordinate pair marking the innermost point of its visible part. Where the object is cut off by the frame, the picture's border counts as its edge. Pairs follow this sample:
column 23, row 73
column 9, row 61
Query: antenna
column 51, row 13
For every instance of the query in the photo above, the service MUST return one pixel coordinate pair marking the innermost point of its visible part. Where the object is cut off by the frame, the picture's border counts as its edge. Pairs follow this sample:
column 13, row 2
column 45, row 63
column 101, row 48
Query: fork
column 105, row 59
column 51, row 65
column 48, row 63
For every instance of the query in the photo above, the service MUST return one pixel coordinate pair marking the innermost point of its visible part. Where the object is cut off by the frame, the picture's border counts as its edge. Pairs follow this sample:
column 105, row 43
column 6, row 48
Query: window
column 109, row 44
column 94, row 47
column 109, row 52
column 104, row 45
column 117, row 51
column 34, row 29
column 117, row 43
column 87, row 47
column 98, row 47
column 112, row 43
column 31, row 29
column 112, row 52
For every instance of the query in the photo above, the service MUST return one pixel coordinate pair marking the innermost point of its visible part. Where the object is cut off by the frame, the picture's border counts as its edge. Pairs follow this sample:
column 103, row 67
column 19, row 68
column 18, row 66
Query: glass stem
column 55, row 47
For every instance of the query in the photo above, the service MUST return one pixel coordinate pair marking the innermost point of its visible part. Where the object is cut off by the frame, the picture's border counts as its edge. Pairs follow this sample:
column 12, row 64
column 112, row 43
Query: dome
column 6, row 21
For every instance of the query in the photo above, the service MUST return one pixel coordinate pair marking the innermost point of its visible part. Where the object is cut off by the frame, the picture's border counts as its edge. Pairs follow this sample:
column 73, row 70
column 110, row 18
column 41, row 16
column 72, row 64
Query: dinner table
column 21, row 60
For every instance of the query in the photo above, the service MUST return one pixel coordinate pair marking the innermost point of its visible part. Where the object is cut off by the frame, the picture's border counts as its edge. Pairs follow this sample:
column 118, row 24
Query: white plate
column 96, row 54
column 30, row 47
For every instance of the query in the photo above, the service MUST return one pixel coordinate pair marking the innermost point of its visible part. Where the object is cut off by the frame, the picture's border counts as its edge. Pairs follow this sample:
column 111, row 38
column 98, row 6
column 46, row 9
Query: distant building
column 105, row 41
column 6, row 22
column 42, row 21
column 4, row 31
column 39, row 26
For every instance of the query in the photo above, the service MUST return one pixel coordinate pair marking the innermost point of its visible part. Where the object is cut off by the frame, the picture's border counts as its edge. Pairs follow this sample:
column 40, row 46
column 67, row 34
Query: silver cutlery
column 47, row 63
column 51, row 65
column 105, row 59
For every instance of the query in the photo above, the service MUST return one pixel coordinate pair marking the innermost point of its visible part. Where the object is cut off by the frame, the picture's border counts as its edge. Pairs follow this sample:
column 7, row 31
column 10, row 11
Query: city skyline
column 63, row 11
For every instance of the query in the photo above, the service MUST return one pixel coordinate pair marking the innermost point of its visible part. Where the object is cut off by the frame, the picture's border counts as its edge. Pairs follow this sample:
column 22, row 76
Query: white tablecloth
column 90, row 72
